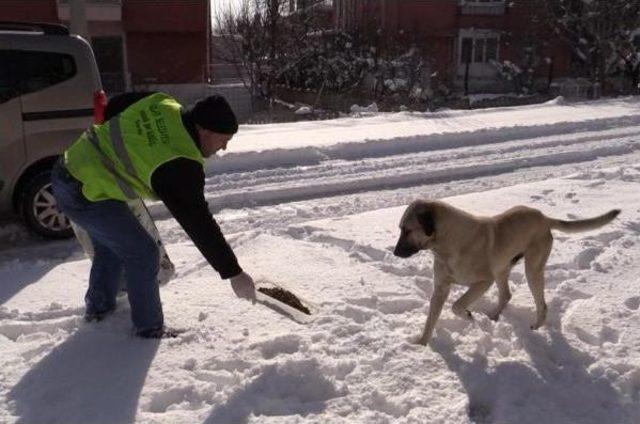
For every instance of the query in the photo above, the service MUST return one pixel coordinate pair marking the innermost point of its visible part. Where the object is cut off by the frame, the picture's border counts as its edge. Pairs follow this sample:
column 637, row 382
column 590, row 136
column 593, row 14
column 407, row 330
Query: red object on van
column 99, row 106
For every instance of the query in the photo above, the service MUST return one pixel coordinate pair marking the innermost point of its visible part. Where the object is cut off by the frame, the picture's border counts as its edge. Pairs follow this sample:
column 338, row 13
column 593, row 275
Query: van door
column 12, row 146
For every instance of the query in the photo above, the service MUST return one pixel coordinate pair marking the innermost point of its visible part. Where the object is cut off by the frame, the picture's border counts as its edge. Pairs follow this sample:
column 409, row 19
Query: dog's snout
column 403, row 250
column 401, row 253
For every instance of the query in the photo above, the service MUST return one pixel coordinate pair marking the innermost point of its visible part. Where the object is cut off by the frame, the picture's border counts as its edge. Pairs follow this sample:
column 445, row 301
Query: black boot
column 97, row 316
column 157, row 333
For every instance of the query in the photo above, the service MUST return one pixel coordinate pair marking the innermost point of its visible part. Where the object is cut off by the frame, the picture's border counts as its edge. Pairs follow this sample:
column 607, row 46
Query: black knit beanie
column 214, row 113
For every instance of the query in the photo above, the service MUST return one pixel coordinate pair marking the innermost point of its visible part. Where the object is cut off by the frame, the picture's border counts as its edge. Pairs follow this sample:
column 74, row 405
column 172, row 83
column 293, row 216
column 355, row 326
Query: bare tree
column 530, row 49
column 277, row 47
column 629, row 65
column 250, row 38
column 263, row 38
column 597, row 31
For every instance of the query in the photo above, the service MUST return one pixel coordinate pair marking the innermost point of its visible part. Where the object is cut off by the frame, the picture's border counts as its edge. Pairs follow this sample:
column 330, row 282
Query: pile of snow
column 372, row 108
column 559, row 101
column 532, row 120
column 304, row 110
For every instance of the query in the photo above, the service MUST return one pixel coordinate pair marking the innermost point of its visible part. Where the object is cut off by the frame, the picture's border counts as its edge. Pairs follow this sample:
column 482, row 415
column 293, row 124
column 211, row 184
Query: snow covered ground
column 315, row 207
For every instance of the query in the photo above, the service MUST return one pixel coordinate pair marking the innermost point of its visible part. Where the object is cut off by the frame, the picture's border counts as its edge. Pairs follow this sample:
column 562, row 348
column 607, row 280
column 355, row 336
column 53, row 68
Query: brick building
column 137, row 43
column 457, row 32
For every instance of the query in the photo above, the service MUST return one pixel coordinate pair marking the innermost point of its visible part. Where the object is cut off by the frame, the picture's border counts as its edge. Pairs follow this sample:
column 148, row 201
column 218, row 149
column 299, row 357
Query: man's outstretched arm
column 179, row 183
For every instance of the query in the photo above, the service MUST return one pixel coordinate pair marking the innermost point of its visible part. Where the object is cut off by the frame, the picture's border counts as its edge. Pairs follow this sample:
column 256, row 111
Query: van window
column 40, row 70
column 28, row 71
column 8, row 82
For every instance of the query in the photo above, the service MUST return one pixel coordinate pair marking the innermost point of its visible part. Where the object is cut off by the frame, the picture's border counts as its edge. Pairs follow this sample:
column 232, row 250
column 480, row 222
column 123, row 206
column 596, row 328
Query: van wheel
column 40, row 210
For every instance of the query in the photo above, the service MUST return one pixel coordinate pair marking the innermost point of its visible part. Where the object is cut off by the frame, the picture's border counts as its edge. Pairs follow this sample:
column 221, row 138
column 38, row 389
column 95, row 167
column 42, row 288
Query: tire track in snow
column 424, row 159
column 372, row 174
column 424, row 141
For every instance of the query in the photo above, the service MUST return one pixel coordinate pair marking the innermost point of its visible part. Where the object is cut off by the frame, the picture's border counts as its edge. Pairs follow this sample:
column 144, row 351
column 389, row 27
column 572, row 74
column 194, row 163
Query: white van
column 50, row 92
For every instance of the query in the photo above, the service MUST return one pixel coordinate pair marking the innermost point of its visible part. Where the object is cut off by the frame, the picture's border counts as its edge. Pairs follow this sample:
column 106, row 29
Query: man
column 149, row 147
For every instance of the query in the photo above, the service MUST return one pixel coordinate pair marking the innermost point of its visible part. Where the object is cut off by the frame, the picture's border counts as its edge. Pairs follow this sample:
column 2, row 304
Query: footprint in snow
column 607, row 238
column 597, row 338
column 187, row 397
column 634, row 226
column 632, row 303
column 365, row 302
column 610, row 335
column 14, row 329
column 584, row 259
column 571, row 196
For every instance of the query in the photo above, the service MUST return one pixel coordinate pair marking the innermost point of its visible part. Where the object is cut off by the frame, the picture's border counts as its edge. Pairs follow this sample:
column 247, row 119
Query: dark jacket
column 179, row 183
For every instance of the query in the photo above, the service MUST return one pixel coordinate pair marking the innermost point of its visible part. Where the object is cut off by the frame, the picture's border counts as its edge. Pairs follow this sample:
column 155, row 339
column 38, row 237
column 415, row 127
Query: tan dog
column 476, row 251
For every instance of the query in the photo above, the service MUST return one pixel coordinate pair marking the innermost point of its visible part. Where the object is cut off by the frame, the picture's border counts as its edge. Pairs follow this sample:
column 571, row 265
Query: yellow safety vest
column 115, row 160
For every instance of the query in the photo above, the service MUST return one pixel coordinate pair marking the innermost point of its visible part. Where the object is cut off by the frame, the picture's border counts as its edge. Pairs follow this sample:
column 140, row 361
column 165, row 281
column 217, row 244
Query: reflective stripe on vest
column 107, row 163
column 118, row 146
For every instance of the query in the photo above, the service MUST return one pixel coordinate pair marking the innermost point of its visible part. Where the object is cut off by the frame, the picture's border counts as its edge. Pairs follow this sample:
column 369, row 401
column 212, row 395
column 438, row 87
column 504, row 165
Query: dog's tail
column 583, row 224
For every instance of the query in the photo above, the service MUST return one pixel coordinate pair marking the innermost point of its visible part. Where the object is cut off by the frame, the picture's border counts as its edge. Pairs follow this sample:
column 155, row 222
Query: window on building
column 110, row 58
column 491, row 52
column 467, row 50
column 481, row 49
column 482, row 7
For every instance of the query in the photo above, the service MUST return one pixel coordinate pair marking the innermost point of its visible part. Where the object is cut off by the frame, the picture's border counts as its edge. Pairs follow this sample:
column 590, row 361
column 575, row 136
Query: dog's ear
column 426, row 220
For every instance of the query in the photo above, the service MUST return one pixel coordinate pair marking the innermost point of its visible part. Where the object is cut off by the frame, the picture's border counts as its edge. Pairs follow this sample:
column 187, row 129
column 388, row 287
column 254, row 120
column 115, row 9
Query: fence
column 236, row 94
column 577, row 89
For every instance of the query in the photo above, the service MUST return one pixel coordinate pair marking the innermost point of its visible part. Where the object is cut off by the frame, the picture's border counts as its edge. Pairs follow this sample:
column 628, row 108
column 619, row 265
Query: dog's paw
column 539, row 323
column 463, row 313
column 419, row 340
column 494, row 316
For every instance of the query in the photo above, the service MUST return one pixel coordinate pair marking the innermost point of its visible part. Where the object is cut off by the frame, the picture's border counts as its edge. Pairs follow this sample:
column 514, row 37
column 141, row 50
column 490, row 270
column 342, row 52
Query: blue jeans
column 119, row 242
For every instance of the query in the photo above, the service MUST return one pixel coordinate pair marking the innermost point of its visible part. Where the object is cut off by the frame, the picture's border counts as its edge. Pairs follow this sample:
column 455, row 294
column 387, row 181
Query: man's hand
column 243, row 286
